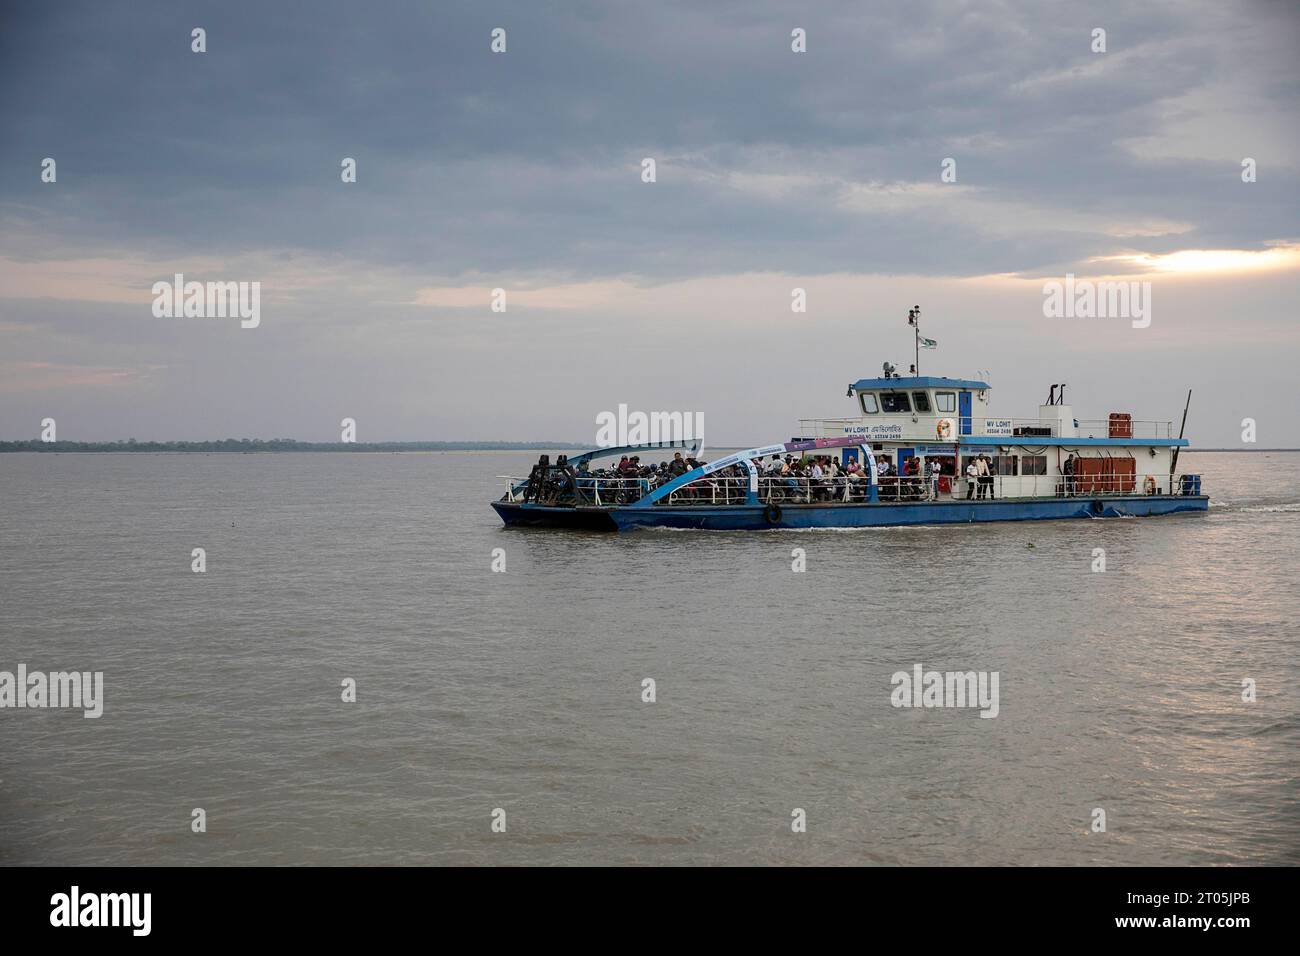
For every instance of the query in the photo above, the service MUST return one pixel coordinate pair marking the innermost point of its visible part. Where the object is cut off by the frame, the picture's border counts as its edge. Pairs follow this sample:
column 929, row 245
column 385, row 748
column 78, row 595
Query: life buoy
column 1149, row 485
column 772, row 513
column 943, row 428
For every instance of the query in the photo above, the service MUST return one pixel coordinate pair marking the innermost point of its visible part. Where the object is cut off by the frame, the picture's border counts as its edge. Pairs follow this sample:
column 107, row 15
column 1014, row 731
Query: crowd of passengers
column 625, row 482
column 788, row 478
column 629, row 480
column 826, row 478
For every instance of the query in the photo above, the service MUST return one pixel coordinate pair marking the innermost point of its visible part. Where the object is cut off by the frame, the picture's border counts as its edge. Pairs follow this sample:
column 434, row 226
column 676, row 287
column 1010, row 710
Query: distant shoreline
column 260, row 446
column 255, row 445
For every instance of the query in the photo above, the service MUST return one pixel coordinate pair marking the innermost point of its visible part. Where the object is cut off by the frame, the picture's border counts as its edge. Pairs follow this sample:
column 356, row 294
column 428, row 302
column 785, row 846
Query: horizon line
column 283, row 444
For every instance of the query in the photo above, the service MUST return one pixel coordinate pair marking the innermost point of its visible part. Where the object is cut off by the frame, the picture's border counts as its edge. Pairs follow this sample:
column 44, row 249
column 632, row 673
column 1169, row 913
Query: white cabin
column 949, row 420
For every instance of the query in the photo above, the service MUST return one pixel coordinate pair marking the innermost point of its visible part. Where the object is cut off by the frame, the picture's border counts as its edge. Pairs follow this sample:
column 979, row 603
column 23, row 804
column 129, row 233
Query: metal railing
column 921, row 430
column 511, row 481
column 847, row 489
column 609, row 491
column 1100, row 428
column 1061, row 486
column 844, row 489
column 712, row 490
column 776, row 489
column 833, row 427
column 584, row 490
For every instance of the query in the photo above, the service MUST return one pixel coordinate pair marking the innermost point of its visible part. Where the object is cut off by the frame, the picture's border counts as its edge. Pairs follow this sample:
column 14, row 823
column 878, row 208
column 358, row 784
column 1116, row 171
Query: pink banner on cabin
column 823, row 443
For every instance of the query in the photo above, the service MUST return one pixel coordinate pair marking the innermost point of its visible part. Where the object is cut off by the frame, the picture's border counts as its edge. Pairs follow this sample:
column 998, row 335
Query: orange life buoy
column 1149, row 485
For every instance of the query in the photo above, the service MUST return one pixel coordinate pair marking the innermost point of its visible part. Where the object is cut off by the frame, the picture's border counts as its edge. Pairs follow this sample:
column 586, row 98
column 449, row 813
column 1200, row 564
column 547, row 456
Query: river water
column 522, row 691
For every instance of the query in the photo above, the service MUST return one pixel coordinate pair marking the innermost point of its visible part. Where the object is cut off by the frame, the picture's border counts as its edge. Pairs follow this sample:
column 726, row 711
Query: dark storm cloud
column 475, row 163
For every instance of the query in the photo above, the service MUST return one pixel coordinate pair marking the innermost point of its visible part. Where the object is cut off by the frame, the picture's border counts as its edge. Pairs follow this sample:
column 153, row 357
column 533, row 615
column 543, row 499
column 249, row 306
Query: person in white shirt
column 986, row 477
column 981, row 476
column 972, row 478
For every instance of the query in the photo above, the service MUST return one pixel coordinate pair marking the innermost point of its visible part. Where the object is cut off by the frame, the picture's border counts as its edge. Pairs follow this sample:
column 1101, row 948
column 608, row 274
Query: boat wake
column 1258, row 507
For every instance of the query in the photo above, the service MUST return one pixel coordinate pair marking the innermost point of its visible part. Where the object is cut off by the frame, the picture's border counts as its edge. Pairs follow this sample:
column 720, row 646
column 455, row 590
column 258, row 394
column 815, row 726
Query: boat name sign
column 874, row 431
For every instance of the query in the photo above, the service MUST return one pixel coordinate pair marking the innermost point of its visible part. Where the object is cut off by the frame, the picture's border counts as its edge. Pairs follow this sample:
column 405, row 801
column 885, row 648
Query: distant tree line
column 273, row 444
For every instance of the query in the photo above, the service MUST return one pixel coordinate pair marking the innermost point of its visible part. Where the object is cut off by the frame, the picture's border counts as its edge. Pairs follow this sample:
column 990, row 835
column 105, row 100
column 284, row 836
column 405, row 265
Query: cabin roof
column 915, row 381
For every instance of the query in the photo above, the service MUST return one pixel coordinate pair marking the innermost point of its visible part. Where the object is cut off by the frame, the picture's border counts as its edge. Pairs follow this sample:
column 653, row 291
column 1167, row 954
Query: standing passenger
column 986, row 465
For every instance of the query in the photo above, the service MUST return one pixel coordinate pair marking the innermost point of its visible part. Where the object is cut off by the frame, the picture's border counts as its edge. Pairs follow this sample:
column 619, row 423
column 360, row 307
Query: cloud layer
column 522, row 171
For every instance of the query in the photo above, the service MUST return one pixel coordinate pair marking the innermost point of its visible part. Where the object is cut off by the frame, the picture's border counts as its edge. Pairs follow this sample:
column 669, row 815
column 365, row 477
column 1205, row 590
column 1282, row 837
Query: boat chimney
column 1060, row 418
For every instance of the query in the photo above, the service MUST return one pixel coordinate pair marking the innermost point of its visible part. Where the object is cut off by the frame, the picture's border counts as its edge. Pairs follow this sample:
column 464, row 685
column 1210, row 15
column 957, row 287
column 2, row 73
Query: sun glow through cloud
column 1200, row 261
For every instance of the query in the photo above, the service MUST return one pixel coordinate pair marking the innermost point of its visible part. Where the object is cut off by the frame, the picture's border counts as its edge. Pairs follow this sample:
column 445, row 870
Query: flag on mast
column 928, row 343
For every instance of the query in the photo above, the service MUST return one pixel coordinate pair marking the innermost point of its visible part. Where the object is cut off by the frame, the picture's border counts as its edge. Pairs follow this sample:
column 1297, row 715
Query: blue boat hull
column 829, row 515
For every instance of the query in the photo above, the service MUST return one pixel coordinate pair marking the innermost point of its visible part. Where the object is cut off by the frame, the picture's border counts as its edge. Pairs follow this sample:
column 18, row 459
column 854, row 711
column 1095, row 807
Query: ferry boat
column 917, row 450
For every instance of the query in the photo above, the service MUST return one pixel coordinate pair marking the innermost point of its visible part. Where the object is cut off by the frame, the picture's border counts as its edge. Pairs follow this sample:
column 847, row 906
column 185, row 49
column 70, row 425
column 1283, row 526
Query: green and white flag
column 928, row 343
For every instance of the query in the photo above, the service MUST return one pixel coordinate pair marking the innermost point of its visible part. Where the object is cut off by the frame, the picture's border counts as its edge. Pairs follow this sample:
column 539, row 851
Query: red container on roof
column 1121, row 425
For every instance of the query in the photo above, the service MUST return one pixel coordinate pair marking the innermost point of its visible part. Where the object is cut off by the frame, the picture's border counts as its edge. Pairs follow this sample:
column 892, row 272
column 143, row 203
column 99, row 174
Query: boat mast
column 914, row 320
column 1173, row 462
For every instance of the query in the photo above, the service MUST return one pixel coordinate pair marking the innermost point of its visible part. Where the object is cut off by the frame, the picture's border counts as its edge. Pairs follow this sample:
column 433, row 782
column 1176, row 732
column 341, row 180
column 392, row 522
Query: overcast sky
column 523, row 170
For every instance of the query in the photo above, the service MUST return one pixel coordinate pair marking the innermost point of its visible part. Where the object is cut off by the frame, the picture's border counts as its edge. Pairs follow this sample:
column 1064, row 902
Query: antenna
column 914, row 320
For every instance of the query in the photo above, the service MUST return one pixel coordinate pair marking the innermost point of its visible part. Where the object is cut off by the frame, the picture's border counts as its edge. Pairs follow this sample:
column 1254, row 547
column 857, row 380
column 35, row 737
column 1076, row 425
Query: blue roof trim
column 916, row 381
column 1069, row 442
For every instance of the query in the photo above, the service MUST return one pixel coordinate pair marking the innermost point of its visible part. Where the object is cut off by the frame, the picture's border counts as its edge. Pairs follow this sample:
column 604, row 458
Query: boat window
column 1033, row 464
column 921, row 400
column 998, row 464
column 892, row 402
column 946, row 401
column 868, row 402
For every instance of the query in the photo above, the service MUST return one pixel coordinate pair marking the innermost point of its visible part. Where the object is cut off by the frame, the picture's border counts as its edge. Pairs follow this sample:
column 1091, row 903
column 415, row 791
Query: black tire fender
column 772, row 513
